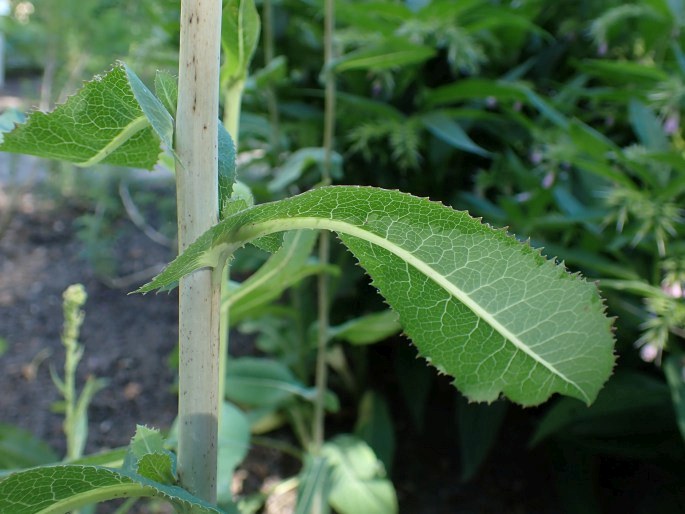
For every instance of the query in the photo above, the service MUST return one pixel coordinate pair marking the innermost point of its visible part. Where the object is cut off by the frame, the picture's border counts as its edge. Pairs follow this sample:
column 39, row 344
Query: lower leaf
column 64, row 488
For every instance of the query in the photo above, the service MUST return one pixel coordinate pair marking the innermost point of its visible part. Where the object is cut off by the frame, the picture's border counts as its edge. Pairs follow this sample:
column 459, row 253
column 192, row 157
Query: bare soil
column 127, row 338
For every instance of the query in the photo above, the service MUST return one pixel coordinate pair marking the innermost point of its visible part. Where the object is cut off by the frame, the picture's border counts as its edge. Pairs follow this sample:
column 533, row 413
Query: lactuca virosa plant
column 479, row 305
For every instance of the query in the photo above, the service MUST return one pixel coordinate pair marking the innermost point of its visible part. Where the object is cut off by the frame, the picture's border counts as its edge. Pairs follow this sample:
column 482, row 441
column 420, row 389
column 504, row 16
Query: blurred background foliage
column 560, row 119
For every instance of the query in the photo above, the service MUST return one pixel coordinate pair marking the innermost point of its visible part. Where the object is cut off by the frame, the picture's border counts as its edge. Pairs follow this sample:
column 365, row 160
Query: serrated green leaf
column 481, row 306
column 102, row 123
column 146, row 440
column 147, row 456
column 62, row 489
column 239, row 37
column 358, row 482
column 158, row 467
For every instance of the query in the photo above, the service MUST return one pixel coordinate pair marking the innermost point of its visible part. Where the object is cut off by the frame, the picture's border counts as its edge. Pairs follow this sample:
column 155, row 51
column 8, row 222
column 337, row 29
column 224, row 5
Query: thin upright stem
column 318, row 431
column 197, row 198
column 324, row 240
column 271, row 100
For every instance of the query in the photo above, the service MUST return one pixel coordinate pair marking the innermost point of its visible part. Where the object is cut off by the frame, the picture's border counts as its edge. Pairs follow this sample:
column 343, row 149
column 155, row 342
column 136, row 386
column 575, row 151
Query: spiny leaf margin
column 102, row 123
column 479, row 305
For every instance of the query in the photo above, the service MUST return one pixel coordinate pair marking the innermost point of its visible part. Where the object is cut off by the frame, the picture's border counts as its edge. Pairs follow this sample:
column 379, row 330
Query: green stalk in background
column 199, row 293
column 323, row 308
column 271, row 100
column 75, row 406
column 324, row 240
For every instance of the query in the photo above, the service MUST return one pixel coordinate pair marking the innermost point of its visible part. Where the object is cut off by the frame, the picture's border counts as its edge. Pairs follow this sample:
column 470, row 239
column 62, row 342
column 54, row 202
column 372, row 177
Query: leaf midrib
column 136, row 125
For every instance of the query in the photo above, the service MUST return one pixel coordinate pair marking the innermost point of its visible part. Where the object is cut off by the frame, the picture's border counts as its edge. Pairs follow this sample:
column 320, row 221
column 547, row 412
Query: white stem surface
column 199, row 298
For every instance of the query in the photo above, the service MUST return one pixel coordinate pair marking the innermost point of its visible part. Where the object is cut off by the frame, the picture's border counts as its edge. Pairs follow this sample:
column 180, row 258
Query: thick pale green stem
column 233, row 97
column 199, row 293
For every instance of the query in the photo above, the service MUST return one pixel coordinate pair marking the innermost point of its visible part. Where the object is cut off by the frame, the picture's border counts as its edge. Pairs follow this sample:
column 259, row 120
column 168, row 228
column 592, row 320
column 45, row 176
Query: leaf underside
column 479, row 305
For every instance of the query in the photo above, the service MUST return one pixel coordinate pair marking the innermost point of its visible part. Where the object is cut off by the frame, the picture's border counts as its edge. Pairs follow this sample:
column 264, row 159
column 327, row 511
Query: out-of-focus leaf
column 368, row 329
column 674, row 369
column 451, row 132
column 596, row 264
column 414, row 384
column 234, row 443
column 479, row 425
column 647, row 127
column 239, row 38
column 315, row 483
column 474, row 89
column 637, row 287
column 375, row 426
column 624, row 72
column 166, row 89
column 261, row 382
column 21, row 449
column 626, row 397
column 282, row 270
column 299, row 162
column 391, row 53
column 274, row 72
column 358, row 481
